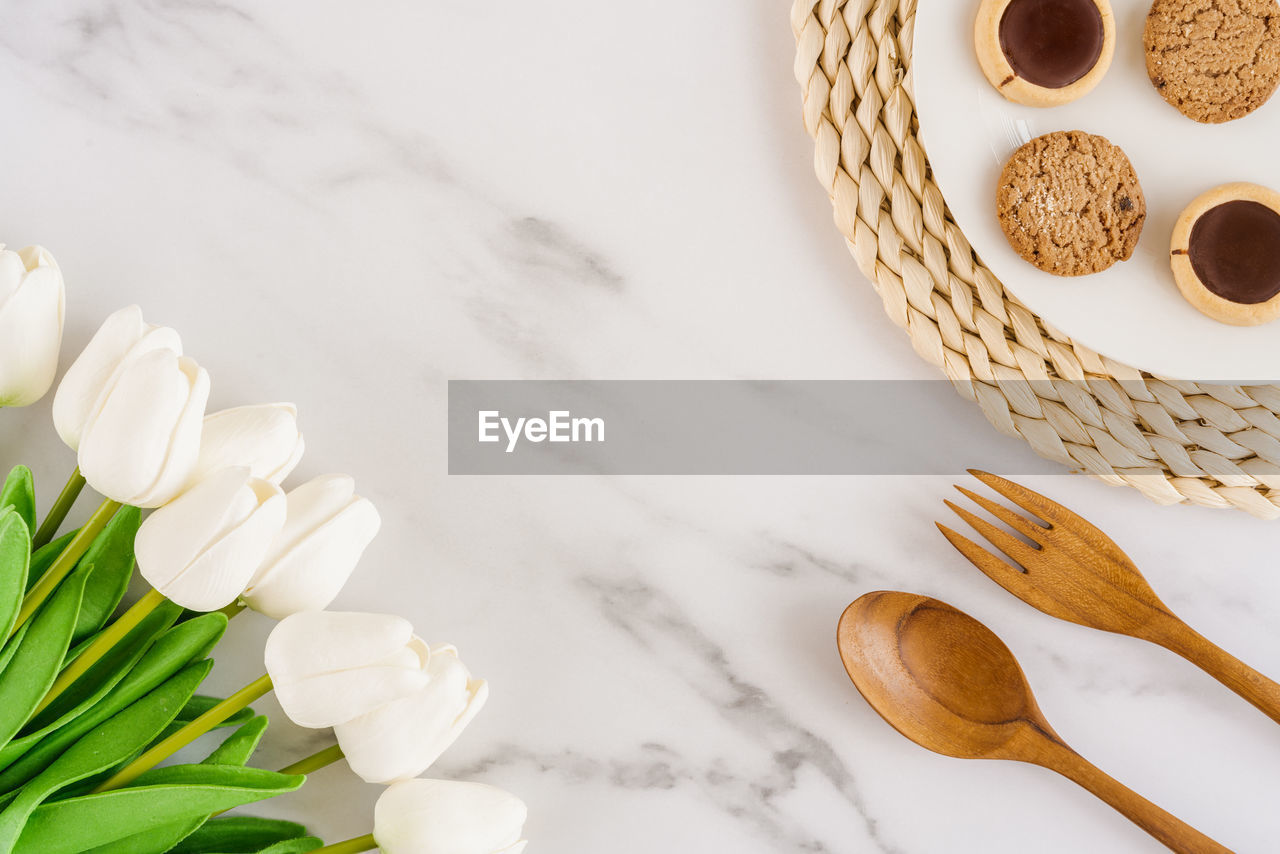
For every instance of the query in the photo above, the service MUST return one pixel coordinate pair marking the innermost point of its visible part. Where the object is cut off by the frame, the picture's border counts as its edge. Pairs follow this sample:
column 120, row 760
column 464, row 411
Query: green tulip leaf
column 240, row 745
column 19, row 492
column 235, row 750
column 180, row 646
column 10, row 649
column 111, row 556
column 292, row 845
column 117, row 740
column 35, row 664
column 15, row 556
column 300, row 845
column 44, row 557
column 80, row 824
column 239, row 833
column 104, row 675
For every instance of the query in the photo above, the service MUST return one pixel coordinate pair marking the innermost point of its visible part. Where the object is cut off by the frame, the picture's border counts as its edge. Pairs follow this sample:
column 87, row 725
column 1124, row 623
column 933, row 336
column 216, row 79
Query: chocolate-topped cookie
column 1070, row 203
column 1225, row 254
column 1043, row 53
column 1215, row 60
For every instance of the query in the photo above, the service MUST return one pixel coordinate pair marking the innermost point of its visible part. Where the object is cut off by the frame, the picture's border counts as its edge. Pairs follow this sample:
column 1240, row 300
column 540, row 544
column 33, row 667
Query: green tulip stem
column 351, row 846
column 101, row 645
column 234, row 608
column 315, row 761
column 188, row 734
column 66, row 562
column 58, row 512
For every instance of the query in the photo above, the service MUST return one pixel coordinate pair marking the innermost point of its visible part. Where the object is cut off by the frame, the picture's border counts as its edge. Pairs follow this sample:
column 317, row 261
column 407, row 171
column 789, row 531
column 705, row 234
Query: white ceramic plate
column 1132, row 312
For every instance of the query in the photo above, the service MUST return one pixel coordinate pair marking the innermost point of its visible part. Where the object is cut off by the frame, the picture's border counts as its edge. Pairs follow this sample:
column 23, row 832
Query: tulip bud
column 32, row 301
column 446, row 817
column 122, row 338
column 200, row 549
column 327, row 530
column 265, row 438
column 142, row 437
column 328, row 667
column 399, row 740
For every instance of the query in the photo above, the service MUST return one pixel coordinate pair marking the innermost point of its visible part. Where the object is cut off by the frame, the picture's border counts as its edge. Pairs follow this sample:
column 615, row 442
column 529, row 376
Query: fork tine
column 1002, row 573
column 1021, row 524
column 1015, row 548
column 1033, row 502
column 999, row 571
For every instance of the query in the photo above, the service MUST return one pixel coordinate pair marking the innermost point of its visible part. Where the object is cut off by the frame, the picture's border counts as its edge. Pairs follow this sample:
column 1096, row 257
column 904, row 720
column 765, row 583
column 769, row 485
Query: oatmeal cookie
column 1215, row 60
column 1070, row 203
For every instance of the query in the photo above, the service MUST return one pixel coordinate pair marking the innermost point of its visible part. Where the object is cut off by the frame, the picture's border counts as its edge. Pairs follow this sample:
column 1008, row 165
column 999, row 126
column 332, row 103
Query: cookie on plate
column 1043, row 53
column 1215, row 60
column 1070, row 203
column 1225, row 254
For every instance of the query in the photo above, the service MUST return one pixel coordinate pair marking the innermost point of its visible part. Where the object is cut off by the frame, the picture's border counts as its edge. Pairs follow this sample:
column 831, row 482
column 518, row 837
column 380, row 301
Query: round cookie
column 1044, row 53
column 1225, row 254
column 1215, row 60
column 1070, row 203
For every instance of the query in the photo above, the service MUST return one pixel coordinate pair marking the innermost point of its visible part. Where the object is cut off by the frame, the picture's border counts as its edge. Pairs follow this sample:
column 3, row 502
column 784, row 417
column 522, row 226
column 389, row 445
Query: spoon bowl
column 939, row 677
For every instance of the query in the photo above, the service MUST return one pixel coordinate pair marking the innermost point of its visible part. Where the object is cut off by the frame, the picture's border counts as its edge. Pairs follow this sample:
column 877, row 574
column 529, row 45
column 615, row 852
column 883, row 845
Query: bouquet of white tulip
column 91, row 703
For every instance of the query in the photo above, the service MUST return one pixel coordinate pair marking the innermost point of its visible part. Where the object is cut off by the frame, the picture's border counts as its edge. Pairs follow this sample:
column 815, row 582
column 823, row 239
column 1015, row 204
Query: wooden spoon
column 946, row 682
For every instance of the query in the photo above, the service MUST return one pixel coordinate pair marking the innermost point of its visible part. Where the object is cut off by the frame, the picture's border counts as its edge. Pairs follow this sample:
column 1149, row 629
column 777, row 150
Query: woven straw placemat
column 1174, row 441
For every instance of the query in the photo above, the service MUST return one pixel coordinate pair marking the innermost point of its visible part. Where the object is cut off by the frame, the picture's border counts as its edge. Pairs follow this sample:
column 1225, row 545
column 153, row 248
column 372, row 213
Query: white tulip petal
column 310, row 574
column 123, row 337
column 12, row 271
column 311, row 504
column 141, row 440
column 184, row 441
column 265, row 438
column 448, row 817
column 323, row 641
column 36, row 256
column 30, row 333
column 200, row 549
column 174, row 535
column 330, row 699
column 330, row 666
column 126, row 439
column 401, row 739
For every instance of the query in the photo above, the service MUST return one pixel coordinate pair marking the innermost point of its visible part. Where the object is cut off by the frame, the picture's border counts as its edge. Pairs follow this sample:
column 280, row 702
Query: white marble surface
column 346, row 206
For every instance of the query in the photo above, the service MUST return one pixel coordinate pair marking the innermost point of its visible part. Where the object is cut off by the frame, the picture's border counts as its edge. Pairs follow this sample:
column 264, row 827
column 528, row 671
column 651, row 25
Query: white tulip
column 32, row 304
column 200, row 549
column 328, row 667
column 327, row 530
column 121, row 339
column 446, row 817
column 265, row 438
column 399, row 740
column 142, row 437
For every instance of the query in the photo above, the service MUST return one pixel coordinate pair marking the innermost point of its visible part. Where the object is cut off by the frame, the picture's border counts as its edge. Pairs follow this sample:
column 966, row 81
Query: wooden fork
column 1077, row 573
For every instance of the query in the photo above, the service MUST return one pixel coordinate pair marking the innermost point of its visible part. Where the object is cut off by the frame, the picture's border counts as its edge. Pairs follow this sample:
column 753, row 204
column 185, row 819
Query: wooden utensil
column 946, row 682
column 1075, row 572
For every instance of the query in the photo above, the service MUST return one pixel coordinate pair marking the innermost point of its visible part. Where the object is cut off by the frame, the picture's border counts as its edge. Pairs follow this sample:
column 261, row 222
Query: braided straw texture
column 1174, row 441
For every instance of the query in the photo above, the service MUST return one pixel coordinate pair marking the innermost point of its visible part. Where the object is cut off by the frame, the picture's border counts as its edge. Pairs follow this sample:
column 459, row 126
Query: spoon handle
column 1225, row 667
column 1165, row 827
